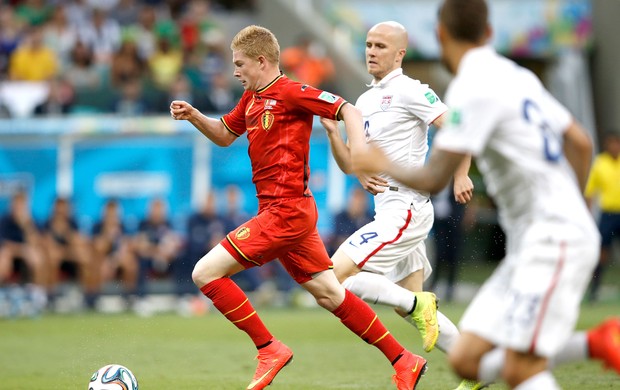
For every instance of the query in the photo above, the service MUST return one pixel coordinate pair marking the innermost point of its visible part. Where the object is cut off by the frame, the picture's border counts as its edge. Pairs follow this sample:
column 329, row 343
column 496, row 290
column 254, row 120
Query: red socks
column 231, row 301
column 356, row 315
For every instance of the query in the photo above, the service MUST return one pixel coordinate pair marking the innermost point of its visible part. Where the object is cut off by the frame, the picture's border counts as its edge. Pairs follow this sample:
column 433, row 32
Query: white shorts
column 393, row 243
column 531, row 302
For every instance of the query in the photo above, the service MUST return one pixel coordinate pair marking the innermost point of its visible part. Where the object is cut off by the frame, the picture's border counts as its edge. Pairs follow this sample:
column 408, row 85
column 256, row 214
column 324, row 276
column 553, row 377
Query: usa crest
column 267, row 120
column 386, row 101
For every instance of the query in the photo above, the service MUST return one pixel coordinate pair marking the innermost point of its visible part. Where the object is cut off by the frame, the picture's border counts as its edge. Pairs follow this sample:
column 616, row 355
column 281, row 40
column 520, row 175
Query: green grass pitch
column 171, row 352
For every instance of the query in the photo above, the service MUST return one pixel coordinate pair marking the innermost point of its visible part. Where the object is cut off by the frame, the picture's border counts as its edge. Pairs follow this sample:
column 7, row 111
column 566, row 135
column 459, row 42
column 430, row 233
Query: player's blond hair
column 255, row 41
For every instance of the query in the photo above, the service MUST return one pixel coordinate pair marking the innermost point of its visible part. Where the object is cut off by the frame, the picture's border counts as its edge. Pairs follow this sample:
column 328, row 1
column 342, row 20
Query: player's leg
column 211, row 275
column 377, row 249
column 358, row 317
column 598, row 343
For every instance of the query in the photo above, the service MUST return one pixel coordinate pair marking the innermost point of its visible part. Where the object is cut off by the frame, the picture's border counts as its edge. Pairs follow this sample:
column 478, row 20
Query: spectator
column 102, row 35
column 34, row 12
column 126, row 64
column 604, row 184
column 352, row 218
column 131, row 101
column 32, row 60
column 69, row 250
column 11, row 33
column 221, row 96
column 156, row 244
column 21, row 241
column 60, row 36
column 448, row 238
column 306, row 62
column 181, row 89
column 165, row 64
column 205, row 229
column 81, row 73
column 113, row 250
column 143, row 31
column 78, row 13
column 59, row 100
column 126, row 12
column 197, row 25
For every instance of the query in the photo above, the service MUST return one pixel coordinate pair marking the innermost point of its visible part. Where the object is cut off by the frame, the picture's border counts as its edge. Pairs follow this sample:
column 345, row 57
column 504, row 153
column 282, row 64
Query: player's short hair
column 465, row 20
column 255, row 41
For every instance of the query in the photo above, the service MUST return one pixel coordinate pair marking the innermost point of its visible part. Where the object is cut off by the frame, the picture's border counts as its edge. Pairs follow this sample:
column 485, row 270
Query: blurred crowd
column 47, row 255
column 129, row 57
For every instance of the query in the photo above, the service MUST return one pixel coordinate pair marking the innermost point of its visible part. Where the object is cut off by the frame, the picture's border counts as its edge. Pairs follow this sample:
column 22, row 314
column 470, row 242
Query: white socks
column 375, row 288
column 541, row 381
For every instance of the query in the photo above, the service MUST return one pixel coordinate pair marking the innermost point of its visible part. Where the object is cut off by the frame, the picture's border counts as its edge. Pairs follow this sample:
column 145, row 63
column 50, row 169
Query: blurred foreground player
column 535, row 159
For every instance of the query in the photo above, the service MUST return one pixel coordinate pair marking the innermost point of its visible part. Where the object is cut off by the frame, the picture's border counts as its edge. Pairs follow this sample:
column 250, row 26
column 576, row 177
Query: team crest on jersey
column 243, row 233
column 267, row 120
column 386, row 101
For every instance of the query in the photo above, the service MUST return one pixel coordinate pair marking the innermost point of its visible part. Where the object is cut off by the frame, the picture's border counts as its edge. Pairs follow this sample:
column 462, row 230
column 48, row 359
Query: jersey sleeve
column 315, row 101
column 424, row 103
column 234, row 121
column 468, row 125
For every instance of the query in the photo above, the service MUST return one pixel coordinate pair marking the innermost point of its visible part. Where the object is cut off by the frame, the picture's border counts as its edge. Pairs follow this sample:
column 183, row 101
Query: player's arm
column 212, row 128
column 340, row 150
column 578, row 150
column 341, row 153
column 463, row 186
column 432, row 177
column 353, row 124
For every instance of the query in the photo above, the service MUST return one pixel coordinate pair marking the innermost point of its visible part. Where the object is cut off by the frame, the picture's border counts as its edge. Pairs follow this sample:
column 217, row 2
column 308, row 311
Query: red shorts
column 284, row 229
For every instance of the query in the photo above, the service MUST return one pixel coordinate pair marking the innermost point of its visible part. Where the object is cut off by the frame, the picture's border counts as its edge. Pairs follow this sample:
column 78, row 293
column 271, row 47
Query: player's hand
column 330, row 125
column 181, row 110
column 369, row 161
column 463, row 189
column 372, row 184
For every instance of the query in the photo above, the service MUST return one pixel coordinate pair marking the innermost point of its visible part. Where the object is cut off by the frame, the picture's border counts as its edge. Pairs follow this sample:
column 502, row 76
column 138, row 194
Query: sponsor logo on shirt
column 386, row 101
column 431, row 97
column 267, row 120
column 328, row 97
column 270, row 104
column 243, row 233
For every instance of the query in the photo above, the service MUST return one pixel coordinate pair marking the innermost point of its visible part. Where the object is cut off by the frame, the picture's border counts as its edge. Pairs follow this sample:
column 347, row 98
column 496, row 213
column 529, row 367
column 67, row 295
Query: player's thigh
column 217, row 263
column 414, row 281
column 306, row 259
column 380, row 245
column 344, row 266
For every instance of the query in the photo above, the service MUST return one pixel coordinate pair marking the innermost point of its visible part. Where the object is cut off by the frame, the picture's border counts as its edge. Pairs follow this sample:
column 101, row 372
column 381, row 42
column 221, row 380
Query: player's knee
column 200, row 275
column 464, row 366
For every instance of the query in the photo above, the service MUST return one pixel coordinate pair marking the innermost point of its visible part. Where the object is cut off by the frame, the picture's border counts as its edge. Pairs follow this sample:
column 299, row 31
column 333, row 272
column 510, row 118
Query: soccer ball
column 113, row 377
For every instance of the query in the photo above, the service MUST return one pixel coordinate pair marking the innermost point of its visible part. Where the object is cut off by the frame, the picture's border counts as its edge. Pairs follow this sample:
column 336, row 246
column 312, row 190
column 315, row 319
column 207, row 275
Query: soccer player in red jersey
column 276, row 113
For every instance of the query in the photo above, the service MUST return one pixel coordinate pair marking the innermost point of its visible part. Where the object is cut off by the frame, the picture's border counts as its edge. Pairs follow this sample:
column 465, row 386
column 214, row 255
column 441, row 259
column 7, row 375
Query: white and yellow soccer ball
column 113, row 377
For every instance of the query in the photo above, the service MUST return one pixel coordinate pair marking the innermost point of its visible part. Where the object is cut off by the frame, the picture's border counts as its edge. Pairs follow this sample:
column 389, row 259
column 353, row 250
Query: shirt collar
column 381, row 83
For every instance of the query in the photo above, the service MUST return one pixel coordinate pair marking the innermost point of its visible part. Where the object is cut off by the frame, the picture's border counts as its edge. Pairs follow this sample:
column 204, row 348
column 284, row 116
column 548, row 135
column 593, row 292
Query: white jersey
column 516, row 138
column 397, row 112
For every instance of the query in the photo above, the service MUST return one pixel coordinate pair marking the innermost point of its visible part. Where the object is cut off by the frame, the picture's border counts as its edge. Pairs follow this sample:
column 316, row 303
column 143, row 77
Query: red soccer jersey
column 278, row 120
